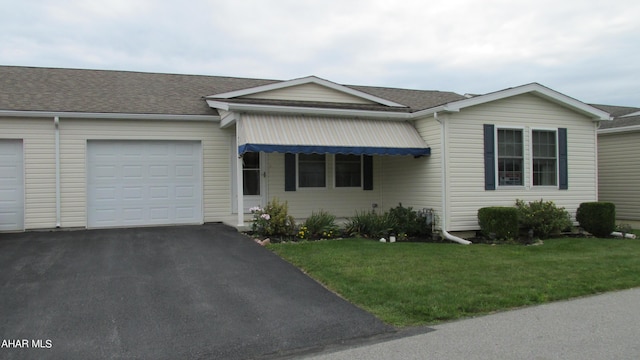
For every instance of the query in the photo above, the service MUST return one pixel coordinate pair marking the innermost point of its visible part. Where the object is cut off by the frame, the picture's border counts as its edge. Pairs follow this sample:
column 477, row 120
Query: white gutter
column 387, row 115
column 56, row 130
column 443, row 170
column 619, row 129
column 111, row 116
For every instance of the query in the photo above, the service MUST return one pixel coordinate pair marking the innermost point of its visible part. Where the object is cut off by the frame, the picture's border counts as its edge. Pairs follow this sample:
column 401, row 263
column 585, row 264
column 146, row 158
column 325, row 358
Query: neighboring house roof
column 623, row 117
column 127, row 92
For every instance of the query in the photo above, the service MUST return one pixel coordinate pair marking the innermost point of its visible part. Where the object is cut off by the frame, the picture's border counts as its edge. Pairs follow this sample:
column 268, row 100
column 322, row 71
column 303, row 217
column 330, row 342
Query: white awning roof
column 309, row 134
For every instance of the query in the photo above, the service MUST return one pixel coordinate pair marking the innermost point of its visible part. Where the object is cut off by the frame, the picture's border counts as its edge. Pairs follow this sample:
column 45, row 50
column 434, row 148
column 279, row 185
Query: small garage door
column 133, row 183
column 11, row 185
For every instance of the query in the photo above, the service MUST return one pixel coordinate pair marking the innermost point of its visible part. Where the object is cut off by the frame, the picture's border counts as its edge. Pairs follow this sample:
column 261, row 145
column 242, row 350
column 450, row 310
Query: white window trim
column 497, row 158
column 340, row 188
column 326, row 175
column 557, row 185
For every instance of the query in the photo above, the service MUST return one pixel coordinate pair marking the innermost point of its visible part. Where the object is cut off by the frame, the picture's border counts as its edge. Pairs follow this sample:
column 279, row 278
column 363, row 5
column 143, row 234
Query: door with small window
column 253, row 179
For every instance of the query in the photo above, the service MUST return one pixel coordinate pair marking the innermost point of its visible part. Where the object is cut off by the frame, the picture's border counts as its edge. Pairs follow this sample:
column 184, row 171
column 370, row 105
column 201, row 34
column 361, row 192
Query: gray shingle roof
column 100, row 91
column 618, row 113
column 104, row 91
column 415, row 99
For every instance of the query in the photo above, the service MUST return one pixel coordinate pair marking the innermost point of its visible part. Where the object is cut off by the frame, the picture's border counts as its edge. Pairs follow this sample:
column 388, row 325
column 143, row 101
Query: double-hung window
column 348, row 170
column 312, row 171
column 510, row 157
column 545, row 157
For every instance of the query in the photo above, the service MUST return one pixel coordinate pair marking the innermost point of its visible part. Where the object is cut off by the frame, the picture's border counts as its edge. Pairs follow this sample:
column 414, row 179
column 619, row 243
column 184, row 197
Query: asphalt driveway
column 163, row 293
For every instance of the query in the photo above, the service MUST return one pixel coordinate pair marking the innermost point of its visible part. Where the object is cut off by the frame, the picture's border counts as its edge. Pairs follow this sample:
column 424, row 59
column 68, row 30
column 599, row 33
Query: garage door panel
column 187, row 172
column 11, row 185
column 104, row 172
column 103, row 194
column 185, row 192
column 160, row 213
column 150, row 185
column 9, row 173
column 185, row 212
column 159, row 193
column 132, row 172
column 133, row 193
column 159, row 171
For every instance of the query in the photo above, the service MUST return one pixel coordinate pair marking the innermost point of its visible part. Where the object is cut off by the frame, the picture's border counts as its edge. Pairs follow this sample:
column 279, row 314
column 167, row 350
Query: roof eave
column 621, row 129
column 260, row 108
column 112, row 116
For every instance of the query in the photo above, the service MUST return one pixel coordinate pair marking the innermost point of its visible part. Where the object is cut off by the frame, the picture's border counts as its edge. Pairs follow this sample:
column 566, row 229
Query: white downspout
column 443, row 171
column 239, row 179
column 56, row 123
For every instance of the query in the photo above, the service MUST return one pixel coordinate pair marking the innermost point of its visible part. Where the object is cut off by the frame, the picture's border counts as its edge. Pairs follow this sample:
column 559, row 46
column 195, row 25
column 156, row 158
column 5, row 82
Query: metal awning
column 309, row 134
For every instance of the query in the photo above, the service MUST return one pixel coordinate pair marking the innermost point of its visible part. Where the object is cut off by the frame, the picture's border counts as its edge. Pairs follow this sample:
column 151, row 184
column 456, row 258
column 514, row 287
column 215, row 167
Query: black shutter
column 563, row 164
column 489, row 158
column 289, row 172
column 367, row 172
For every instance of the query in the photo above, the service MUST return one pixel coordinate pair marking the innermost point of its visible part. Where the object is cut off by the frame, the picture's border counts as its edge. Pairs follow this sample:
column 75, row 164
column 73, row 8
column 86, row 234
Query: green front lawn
column 407, row 284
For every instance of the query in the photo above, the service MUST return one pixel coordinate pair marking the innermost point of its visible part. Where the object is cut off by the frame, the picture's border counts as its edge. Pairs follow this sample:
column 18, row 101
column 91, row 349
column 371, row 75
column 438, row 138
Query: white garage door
column 11, row 186
column 132, row 183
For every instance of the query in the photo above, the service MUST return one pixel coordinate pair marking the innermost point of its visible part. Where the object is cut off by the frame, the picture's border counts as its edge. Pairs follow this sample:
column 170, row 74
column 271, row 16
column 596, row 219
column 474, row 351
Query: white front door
column 253, row 179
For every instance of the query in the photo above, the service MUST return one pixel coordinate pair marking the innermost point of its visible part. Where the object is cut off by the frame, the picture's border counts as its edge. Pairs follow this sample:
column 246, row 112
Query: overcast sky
column 587, row 49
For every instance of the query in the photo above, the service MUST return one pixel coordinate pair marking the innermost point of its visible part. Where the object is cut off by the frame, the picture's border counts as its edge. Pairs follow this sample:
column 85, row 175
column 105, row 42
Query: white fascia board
column 431, row 111
column 229, row 119
column 535, row 88
column 220, row 105
column 239, row 107
column 112, row 116
column 621, row 129
column 302, row 81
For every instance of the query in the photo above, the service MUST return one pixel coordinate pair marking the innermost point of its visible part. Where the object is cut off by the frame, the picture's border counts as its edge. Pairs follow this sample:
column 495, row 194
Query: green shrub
column 499, row 222
column 543, row 217
column 407, row 222
column 598, row 218
column 320, row 225
column 273, row 220
column 369, row 224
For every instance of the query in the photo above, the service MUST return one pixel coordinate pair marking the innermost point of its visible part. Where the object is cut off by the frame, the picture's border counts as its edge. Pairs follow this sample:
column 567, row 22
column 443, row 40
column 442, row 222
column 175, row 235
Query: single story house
column 97, row 149
column 619, row 162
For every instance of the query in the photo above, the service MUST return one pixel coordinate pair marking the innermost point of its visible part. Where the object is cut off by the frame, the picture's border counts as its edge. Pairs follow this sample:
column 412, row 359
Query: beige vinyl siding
column 309, row 92
column 342, row 202
column 412, row 181
column 465, row 157
column 39, row 167
column 619, row 171
column 74, row 134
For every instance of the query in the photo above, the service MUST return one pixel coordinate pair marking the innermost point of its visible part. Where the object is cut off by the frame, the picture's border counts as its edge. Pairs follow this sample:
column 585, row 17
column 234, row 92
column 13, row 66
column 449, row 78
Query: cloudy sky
column 588, row 49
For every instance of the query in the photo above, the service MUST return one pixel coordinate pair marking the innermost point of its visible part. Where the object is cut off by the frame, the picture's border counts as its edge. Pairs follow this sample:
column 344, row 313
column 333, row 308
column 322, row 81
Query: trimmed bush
column 499, row 222
column 598, row 217
column 407, row 222
column 543, row 217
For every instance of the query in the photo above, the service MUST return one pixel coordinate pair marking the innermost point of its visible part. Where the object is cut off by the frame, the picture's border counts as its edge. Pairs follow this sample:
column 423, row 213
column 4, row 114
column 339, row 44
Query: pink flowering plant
column 273, row 220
